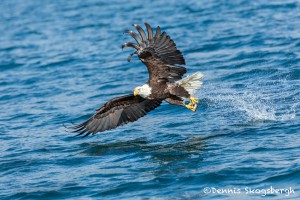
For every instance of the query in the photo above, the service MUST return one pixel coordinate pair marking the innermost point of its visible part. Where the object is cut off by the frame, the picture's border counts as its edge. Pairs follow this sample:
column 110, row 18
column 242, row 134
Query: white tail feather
column 191, row 83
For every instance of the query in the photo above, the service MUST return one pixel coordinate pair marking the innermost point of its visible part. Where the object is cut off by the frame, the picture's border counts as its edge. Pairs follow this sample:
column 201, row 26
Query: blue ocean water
column 61, row 60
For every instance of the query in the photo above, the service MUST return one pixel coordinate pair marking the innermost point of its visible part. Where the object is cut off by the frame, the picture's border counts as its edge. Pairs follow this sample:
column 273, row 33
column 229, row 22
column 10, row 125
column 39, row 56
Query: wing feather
column 141, row 32
column 150, row 32
column 117, row 112
column 157, row 34
column 135, row 36
column 158, row 53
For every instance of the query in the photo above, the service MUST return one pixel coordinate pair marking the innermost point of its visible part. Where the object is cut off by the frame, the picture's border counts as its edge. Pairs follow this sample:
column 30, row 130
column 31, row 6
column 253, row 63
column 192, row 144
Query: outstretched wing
column 159, row 53
column 117, row 112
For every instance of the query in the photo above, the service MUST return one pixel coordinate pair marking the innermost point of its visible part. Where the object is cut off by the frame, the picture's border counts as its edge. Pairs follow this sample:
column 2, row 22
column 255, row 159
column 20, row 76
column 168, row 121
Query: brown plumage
column 117, row 112
column 158, row 53
column 161, row 57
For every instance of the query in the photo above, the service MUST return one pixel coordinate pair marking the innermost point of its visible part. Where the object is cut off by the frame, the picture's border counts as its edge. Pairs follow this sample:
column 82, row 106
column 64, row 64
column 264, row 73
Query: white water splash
column 254, row 106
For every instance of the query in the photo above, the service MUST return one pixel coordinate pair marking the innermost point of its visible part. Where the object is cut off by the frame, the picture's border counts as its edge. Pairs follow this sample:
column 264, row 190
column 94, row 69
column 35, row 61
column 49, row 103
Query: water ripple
column 61, row 60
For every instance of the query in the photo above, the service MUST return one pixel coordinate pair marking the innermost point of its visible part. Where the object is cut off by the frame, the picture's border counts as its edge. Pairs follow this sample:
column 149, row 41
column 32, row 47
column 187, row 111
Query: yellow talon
column 192, row 107
column 193, row 104
column 194, row 100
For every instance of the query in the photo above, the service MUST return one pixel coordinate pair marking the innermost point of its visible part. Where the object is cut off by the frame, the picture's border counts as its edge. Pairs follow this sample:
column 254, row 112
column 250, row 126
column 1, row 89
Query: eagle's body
column 162, row 59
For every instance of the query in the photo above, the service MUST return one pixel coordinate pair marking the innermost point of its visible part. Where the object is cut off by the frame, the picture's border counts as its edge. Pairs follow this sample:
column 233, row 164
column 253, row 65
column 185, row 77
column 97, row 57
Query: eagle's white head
column 144, row 91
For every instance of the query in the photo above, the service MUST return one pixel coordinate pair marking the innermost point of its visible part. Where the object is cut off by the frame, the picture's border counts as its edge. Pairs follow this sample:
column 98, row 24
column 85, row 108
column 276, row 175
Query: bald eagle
column 162, row 59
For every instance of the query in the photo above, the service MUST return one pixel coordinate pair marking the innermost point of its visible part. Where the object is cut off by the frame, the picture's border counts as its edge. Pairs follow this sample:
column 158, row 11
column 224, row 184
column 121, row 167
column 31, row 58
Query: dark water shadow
column 162, row 152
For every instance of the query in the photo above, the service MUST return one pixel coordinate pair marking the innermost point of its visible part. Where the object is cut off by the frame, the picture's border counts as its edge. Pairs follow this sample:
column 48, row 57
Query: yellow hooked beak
column 136, row 92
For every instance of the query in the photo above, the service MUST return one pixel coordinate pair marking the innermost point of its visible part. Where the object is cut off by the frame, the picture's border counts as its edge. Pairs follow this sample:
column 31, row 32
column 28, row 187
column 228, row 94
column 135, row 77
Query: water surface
column 61, row 60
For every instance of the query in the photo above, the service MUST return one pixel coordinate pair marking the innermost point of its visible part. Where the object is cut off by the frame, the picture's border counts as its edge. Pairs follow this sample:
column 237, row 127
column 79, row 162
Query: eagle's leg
column 180, row 101
column 179, row 91
column 175, row 100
